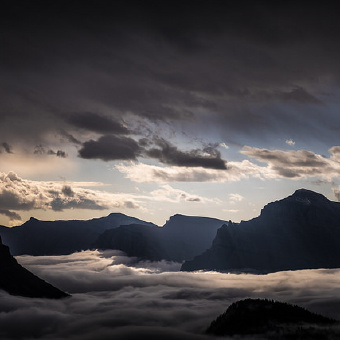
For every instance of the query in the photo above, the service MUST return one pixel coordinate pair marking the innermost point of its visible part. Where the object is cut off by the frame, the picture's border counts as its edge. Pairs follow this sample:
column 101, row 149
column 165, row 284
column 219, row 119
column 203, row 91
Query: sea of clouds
column 116, row 297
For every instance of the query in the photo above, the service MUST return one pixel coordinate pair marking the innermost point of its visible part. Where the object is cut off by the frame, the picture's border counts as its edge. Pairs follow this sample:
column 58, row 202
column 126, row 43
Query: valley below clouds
column 116, row 297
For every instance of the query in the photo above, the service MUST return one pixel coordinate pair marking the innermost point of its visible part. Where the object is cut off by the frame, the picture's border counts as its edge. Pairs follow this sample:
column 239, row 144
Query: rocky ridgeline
column 301, row 231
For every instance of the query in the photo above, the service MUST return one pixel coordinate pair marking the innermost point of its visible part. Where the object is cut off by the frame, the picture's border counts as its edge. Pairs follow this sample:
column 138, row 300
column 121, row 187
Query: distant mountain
column 299, row 232
column 17, row 280
column 137, row 240
column 181, row 238
column 274, row 320
column 36, row 237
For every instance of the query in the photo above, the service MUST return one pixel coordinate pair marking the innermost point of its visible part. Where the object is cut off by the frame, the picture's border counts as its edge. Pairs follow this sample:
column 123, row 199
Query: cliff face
column 299, row 232
column 17, row 280
column 181, row 238
column 135, row 240
column 36, row 237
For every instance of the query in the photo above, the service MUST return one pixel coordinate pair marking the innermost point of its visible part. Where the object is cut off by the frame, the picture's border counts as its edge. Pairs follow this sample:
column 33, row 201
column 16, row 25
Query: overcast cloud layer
column 259, row 68
column 210, row 92
column 114, row 297
column 204, row 108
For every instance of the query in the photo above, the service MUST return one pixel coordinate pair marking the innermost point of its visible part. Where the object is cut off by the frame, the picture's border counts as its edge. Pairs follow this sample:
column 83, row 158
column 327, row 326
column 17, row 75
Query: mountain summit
column 181, row 238
column 308, row 194
column 301, row 231
column 36, row 237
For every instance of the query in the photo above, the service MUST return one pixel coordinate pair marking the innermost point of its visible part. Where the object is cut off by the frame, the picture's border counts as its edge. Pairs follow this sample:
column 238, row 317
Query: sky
column 156, row 108
column 113, row 297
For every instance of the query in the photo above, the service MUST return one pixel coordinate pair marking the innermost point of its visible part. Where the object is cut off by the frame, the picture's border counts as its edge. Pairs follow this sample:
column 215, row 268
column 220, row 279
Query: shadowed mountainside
column 301, row 231
column 181, row 238
column 17, row 280
column 36, row 237
column 273, row 319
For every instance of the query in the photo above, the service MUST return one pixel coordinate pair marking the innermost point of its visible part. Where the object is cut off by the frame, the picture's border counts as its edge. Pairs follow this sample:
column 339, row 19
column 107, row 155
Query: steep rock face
column 36, row 237
column 275, row 319
column 135, row 240
column 17, row 280
column 181, row 238
column 189, row 236
column 299, row 232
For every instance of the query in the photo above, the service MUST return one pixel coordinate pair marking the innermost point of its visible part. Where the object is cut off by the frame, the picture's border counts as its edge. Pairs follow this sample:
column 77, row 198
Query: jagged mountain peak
column 29, row 223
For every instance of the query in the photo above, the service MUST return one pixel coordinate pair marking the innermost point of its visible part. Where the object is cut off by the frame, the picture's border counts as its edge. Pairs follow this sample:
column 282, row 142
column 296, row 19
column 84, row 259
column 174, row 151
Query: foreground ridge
column 268, row 317
column 17, row 280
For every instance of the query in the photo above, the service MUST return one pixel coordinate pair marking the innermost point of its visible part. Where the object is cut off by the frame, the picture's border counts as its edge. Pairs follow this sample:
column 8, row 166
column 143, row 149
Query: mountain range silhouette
column 301, row 231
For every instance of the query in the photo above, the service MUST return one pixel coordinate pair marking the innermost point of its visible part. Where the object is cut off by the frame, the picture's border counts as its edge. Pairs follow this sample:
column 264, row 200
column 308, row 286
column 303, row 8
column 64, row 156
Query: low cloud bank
column 114, row 297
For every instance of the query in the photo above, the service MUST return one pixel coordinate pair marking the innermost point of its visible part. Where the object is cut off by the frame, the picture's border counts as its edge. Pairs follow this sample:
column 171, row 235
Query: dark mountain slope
column 189, row 236
column 273, row 319
column 182, row 237
column 36, row 237
column 135, row 240
column 17, row 280
column 299, row 232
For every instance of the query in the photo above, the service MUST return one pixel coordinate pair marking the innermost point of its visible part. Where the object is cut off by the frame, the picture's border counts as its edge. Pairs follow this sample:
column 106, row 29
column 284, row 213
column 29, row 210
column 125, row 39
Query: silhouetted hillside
column 181, row 238
column 135, row 240
column 36, row 237
column 17, row 280
column 272, row 319
column 299, row 232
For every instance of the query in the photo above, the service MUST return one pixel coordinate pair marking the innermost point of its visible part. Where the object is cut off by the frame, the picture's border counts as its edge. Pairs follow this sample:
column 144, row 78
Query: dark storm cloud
column 7, row 147
column 40, row 150
column 67, row 191
column 169, row 154
column 60, row 204
column 13, row 216
column 58, row 153
column 114, row 298
column 10, row 199
column 95, row 122
column 70, row 138
column 110, row 147
column 227, row 65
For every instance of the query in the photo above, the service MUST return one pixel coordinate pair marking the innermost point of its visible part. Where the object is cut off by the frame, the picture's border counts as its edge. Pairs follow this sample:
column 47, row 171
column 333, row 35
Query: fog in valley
column 116, row 297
